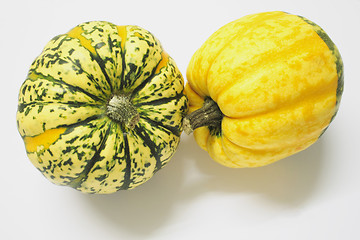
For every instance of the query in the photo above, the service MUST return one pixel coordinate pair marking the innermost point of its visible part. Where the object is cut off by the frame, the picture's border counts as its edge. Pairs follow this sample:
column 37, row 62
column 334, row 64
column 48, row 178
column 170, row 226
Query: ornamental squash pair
column 103, row 106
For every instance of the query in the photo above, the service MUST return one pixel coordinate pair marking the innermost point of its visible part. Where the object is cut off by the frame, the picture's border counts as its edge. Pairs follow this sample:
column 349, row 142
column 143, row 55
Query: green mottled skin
column 337, row 56
column 69, row 86
column 338, row 61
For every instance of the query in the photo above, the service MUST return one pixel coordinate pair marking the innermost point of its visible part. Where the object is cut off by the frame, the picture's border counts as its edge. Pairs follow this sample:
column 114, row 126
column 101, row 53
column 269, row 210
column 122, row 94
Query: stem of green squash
column 121, row 110
column 208, row 115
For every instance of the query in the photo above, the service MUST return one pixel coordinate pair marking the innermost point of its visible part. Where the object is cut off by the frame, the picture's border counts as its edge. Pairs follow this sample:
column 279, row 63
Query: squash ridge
column 151, row 145
column 224, row 47
column 127, row 177
column 148, row 79
column 76, row 183
column 34, row 74
column 171, row 129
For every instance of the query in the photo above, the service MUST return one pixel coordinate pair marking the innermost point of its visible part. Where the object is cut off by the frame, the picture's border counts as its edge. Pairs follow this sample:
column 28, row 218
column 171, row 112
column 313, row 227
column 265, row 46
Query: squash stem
column 208, row 115
column 121, row 110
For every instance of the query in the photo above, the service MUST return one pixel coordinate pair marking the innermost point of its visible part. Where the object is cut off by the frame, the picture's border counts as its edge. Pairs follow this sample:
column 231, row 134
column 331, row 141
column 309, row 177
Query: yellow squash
column 264, row 87
column 101, row 108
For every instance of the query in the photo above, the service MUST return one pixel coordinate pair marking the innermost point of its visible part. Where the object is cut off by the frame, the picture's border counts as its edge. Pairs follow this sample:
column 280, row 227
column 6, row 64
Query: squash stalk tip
column 208, row 115
column 120, row 109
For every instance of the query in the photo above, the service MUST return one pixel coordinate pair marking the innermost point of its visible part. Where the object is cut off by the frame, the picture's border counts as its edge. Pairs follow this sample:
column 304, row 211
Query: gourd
column 262, row 88
column 101, row 109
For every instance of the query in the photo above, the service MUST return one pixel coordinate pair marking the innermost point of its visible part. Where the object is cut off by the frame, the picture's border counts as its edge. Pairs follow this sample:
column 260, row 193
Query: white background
column 312, row 195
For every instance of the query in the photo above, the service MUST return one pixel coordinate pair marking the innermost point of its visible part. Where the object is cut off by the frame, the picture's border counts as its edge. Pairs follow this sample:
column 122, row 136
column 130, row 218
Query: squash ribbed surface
column 277, row 79
column 62, row 113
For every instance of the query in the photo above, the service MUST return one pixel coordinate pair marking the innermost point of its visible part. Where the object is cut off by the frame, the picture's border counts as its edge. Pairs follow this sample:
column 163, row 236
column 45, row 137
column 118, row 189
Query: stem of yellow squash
column 208, row 115
column 120, row 109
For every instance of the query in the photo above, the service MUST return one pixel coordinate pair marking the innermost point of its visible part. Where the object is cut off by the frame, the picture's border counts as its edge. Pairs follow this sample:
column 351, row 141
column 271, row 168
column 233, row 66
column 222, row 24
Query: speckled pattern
column 62, row 108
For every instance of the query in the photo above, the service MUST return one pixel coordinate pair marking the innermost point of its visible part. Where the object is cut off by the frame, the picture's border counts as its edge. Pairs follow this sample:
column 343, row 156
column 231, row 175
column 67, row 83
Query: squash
column 262, row 88
column 102, row 107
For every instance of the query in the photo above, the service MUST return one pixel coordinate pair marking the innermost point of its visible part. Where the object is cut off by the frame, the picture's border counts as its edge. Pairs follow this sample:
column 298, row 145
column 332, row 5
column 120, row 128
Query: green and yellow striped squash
column 271, row 82
column 101, row 109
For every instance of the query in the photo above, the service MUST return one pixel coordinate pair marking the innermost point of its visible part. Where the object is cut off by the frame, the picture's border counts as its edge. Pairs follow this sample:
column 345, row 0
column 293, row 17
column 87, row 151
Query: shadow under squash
column 143, row 210
column 146, row 208
column 290, row 181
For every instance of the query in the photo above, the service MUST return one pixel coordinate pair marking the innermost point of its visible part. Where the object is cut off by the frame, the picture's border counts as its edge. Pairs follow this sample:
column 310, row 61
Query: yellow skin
column 276, row 82
column 101, row 108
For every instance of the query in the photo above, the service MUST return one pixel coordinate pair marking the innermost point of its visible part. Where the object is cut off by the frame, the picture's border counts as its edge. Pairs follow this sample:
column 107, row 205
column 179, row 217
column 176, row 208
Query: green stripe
column 147, row 80
column 127, row 175
column 338, row 60
column 71, row 127
column 56, row 58
column 154, row 149
column 101, row 64
column 76, row 182
column 90, row 76
column 123, row 63
column 160, row 101
column 22, row 106
column 60, row 82
column 56, row 164
column 96, row 56
column 171, row 129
